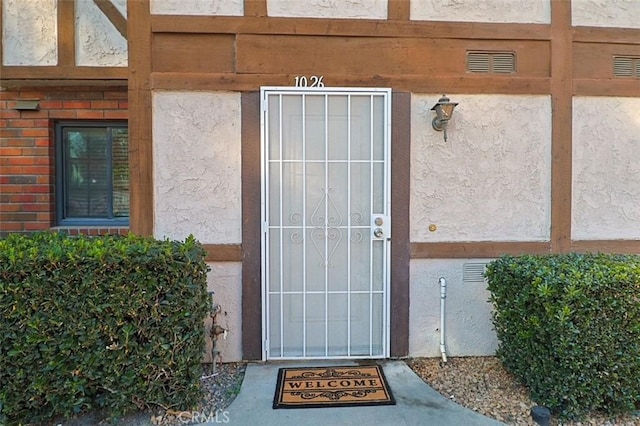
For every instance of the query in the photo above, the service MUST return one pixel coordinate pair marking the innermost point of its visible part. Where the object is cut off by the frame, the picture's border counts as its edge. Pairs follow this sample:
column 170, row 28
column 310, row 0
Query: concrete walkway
column 416, row 403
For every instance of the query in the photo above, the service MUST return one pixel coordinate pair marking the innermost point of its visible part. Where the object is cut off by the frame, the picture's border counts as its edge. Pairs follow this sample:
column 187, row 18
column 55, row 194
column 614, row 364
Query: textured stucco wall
column 606, row 168
column 468, row 327
column 29, row 32
column 225, row 280
column 345, row 9
column 196, row 157
column 520, row 11
column 198, row 7
column 606, row 13
column 98, row 43
column 491, row 180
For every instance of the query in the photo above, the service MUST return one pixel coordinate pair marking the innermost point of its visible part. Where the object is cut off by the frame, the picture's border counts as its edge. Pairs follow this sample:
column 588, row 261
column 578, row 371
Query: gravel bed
column 483, row 385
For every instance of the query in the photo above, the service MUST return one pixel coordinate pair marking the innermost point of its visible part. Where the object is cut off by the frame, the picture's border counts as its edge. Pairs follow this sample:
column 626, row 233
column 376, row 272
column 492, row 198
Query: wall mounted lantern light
column 444, row 110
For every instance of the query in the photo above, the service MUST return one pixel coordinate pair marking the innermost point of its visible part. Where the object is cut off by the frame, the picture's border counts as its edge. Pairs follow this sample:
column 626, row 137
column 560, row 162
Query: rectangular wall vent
column 626, row 66
column 473, row 273
column 491, row 62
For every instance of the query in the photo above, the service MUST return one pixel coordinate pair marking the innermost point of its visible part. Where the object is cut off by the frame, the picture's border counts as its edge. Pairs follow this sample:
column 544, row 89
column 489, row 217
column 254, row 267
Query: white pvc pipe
column 443, row 296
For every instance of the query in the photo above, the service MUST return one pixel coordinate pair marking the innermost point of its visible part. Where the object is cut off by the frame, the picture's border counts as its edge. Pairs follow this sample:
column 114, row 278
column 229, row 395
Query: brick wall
column 27, row 162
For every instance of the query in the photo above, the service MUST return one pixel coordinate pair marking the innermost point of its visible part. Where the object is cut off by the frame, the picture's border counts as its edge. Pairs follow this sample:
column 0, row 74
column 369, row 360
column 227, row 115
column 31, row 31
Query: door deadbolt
column 380, row 226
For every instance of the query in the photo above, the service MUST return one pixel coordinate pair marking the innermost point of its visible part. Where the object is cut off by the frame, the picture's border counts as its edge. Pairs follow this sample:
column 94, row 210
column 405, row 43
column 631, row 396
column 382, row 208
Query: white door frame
column 264, row 132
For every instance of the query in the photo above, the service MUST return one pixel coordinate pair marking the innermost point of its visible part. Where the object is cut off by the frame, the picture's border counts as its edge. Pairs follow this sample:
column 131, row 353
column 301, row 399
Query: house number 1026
column 312, row 81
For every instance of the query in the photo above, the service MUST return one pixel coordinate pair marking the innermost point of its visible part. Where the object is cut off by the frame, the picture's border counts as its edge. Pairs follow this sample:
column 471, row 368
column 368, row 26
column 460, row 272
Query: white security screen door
column 326, row 222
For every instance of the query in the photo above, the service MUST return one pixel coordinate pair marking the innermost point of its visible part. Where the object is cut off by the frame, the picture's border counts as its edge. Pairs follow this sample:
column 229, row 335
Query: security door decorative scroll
column 326, row 224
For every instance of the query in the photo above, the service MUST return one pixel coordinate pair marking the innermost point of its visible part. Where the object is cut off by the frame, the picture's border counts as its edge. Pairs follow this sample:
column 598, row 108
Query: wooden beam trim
column 113, row 15
column 400, row 201
column 399, row 10
column 347, row 27
column 255, row 7
column 562, row 116
column 619, row 87
column 410, row 83
column 62, row 72
column 140, row 118
column 606, row 35
column 606, row 246
column 480, row 249
column 38, row 83
column 223, row 252
column 66, row 33
column 251, row 228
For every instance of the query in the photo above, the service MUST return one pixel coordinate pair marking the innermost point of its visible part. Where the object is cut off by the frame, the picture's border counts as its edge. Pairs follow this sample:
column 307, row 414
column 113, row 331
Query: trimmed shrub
column 112, row 323
column 569, row 329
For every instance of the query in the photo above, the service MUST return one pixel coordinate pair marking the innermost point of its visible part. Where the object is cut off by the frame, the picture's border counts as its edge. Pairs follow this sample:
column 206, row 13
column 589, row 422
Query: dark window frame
column 61, row 164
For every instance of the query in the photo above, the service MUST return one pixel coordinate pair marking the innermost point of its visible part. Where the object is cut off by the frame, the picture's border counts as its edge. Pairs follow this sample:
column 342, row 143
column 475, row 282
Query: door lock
column 380, row 227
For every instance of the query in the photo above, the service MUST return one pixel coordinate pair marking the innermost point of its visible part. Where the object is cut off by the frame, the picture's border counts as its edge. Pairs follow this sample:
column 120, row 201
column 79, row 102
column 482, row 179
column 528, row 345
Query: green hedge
column 106, row 322
column 569, row 329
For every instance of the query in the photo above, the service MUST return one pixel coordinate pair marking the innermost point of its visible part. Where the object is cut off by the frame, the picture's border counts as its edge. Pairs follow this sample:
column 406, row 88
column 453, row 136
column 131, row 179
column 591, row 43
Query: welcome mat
column 314, row 387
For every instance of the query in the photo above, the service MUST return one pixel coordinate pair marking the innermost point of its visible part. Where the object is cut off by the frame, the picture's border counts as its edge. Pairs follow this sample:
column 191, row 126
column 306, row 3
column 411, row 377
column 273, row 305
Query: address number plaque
column 311, row 81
